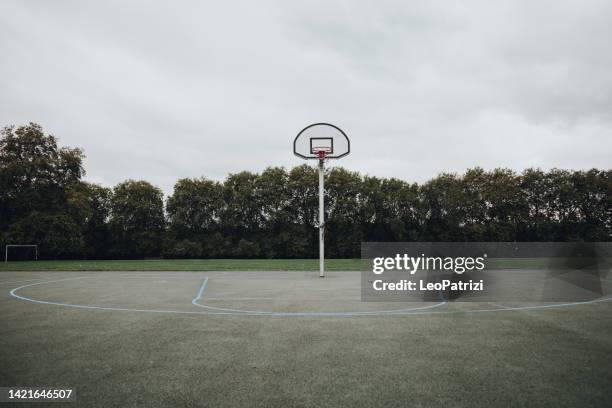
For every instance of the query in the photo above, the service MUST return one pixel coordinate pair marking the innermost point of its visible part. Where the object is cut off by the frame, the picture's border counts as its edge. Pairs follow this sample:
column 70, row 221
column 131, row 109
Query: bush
column 247, row 249
column 184, row 249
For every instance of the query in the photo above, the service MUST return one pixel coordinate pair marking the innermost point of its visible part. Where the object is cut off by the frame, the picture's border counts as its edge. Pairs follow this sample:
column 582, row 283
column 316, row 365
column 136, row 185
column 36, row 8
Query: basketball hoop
column 321, row 141
column 321, row 151
column 318, row 137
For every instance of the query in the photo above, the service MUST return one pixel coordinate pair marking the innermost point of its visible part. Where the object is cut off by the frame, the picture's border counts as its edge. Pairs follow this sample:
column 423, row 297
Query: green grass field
column 205, row 265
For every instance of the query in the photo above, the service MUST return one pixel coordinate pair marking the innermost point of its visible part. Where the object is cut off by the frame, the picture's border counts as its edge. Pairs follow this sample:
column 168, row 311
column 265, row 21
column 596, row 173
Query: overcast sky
column 160, row 90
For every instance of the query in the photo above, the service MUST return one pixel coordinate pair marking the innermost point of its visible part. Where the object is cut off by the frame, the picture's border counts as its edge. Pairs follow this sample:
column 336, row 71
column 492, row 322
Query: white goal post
column 6, row 248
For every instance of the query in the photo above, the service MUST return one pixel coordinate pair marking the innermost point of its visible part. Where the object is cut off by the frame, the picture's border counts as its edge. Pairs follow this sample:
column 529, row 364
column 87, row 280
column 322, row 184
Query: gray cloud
column 158, row 90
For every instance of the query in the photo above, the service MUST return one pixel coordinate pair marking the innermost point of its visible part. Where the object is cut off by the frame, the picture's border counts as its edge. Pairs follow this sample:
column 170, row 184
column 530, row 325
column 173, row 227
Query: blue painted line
column 13, row 293
column 234, row 312
column 505, row 309
column 200, row 292
column 286, row 314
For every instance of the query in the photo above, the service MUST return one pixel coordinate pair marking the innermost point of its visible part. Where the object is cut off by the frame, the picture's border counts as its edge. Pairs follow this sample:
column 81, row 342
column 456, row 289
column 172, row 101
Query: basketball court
column 276, row 336
column 290, row 338
column 264, row 294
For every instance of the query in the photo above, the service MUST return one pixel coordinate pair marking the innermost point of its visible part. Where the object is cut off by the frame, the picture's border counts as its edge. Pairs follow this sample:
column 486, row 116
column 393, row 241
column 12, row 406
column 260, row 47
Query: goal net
column 21, row 252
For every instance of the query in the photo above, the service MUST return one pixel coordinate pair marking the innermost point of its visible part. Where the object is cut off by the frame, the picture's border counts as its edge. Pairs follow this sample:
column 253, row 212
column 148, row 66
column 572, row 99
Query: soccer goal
column 31, row 246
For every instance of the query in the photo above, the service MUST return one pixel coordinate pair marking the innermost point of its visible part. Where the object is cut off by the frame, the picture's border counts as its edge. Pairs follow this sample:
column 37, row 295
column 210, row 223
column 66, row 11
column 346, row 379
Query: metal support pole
column 321, row 220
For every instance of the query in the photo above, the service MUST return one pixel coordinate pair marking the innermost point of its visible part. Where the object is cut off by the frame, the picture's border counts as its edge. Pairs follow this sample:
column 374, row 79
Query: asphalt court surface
column 278, row 339
column 282, row 294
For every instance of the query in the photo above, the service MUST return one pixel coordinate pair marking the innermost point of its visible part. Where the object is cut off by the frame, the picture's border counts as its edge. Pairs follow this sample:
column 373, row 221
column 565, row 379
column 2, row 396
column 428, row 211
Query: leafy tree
column 343, row 226
column 194, row 211
column 247, row 249
column 390, row 210
column 195, row 207
column 34, row 172
column 504, row 205
column 301, row 236
column 445, row 204
column 183, row 248
column 137, row 219
column 535, row 186
column 57, row 235
column 35, row 175
column 275, row 213
column 89, row 205
column 242, row 215
column 593, row 190
column 304, row 188
column 273, row 197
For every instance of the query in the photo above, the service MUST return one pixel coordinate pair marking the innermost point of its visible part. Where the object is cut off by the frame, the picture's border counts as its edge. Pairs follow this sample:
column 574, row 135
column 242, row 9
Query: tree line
column 273, row 214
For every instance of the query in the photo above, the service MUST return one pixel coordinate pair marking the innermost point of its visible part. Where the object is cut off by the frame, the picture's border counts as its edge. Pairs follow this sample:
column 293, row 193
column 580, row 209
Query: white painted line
column 236, row 312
